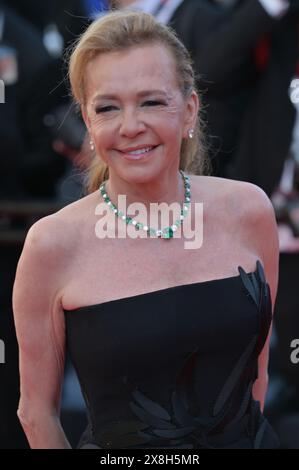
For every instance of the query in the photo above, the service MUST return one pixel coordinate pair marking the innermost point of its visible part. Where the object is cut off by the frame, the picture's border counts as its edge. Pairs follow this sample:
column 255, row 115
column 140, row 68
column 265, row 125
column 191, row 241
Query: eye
column 152, row 103
column 104, row 109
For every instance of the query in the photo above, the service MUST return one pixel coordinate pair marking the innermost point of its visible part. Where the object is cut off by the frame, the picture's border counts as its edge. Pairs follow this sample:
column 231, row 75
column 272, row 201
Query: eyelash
column 154, row 102
column 106, row 109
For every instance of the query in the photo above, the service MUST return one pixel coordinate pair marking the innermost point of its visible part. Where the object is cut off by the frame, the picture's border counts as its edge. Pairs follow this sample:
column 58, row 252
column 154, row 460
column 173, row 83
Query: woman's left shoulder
column 250, row 199
column 240, row 198
column 243, row 207
column 246, row 211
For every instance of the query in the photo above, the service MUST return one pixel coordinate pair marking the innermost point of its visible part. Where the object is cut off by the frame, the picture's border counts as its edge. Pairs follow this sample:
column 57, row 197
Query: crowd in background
column 245, row 54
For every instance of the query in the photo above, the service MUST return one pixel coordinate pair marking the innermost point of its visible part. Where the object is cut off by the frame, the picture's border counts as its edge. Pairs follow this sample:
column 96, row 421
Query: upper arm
column 39, row 321
column 269, row 245
column 262, row 234
column 257, row 228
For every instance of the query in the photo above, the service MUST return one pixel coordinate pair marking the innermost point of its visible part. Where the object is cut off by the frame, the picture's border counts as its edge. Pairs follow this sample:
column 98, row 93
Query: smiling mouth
column 138, row 153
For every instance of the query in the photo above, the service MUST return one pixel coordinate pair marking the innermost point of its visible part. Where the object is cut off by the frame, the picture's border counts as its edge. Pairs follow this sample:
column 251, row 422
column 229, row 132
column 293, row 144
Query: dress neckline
column 165, row 290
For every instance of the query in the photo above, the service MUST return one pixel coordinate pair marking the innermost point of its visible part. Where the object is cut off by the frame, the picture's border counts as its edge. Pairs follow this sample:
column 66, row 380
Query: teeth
column 140, row 151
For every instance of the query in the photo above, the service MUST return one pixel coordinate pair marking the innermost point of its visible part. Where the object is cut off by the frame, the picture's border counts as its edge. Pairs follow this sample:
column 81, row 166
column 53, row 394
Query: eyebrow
column 141, row 94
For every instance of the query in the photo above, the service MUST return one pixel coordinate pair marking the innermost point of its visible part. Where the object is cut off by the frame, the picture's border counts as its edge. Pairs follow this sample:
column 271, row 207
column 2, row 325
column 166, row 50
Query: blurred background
column 245, row 54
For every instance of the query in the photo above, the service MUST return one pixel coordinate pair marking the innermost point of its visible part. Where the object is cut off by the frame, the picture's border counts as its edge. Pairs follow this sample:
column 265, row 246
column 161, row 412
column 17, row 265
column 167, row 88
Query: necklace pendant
column 167, row 233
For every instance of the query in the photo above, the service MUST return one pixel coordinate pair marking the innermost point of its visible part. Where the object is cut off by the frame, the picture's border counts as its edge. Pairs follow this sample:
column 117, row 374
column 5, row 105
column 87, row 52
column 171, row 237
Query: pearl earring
column 91, row 145
column 191, row 133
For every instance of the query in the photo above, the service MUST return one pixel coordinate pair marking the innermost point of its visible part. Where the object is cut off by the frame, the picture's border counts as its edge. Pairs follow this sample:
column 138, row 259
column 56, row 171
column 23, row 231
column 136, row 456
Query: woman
column 170, row 344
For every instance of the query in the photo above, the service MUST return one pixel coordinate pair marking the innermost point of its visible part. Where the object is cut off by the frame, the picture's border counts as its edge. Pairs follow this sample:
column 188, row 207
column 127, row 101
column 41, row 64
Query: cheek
column 104, row 132
column 167, row 121
column 171, row 124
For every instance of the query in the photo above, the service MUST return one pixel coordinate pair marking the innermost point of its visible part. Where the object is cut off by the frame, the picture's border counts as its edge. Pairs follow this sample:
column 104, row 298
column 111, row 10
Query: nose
column 131, row 124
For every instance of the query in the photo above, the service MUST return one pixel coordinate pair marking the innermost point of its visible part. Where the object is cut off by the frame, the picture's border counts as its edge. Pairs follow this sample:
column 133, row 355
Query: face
column 135, row 112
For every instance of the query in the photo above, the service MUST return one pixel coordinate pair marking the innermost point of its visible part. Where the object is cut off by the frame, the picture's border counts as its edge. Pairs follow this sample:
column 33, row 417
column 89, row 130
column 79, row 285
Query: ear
column 191, row 113
column 85, row 117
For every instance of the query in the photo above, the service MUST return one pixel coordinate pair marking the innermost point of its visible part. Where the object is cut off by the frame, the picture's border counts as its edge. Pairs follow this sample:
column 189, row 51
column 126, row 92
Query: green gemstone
column 167, row 233
column 139, row 226
column 152, row 231
column 129, row 220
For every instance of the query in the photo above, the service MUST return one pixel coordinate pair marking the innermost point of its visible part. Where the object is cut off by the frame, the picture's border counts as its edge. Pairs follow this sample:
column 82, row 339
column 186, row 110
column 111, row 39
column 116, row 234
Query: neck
column 168, row 188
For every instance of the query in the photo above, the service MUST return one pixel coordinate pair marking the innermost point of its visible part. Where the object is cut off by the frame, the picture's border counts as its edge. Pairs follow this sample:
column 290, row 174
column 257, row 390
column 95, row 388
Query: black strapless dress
column 174, row 368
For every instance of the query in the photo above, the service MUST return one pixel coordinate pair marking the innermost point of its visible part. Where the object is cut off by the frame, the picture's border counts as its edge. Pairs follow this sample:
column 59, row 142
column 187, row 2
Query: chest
column 114, row 268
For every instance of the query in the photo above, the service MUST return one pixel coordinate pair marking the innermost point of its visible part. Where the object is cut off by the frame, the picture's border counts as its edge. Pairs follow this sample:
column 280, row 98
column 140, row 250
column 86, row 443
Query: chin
column 141, row 177
column 137, row 173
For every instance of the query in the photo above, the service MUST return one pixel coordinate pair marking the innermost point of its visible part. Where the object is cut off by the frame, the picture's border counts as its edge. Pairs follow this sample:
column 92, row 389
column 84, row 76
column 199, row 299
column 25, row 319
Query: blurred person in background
column 36, row 123
column 28, row 76
column 58, row 25
column 28, row 167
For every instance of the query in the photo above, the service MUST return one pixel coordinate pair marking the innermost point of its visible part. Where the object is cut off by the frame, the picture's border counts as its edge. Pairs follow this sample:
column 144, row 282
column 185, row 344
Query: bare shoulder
column 61, row 231
column 238, row 196
column 216, row 187
column 245, row 206
column 253, row 212
column 49, row 253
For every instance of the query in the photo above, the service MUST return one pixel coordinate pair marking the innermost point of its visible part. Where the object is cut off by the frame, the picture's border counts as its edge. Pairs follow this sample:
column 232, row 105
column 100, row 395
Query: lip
column 124, row 153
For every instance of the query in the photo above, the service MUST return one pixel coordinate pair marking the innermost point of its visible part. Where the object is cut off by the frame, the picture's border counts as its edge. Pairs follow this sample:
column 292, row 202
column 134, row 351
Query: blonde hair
column 120, row 30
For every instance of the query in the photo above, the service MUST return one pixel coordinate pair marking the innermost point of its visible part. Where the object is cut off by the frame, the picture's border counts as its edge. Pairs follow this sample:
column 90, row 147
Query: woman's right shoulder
column 50, row 250
column 59, row 232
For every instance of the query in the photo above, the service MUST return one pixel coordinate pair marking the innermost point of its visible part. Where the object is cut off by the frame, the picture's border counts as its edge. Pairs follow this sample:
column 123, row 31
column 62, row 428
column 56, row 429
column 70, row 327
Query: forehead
column 131, row 70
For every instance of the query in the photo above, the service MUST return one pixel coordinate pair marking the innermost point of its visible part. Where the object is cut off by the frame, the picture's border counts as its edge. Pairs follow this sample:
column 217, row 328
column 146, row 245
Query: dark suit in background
column 247, row 108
